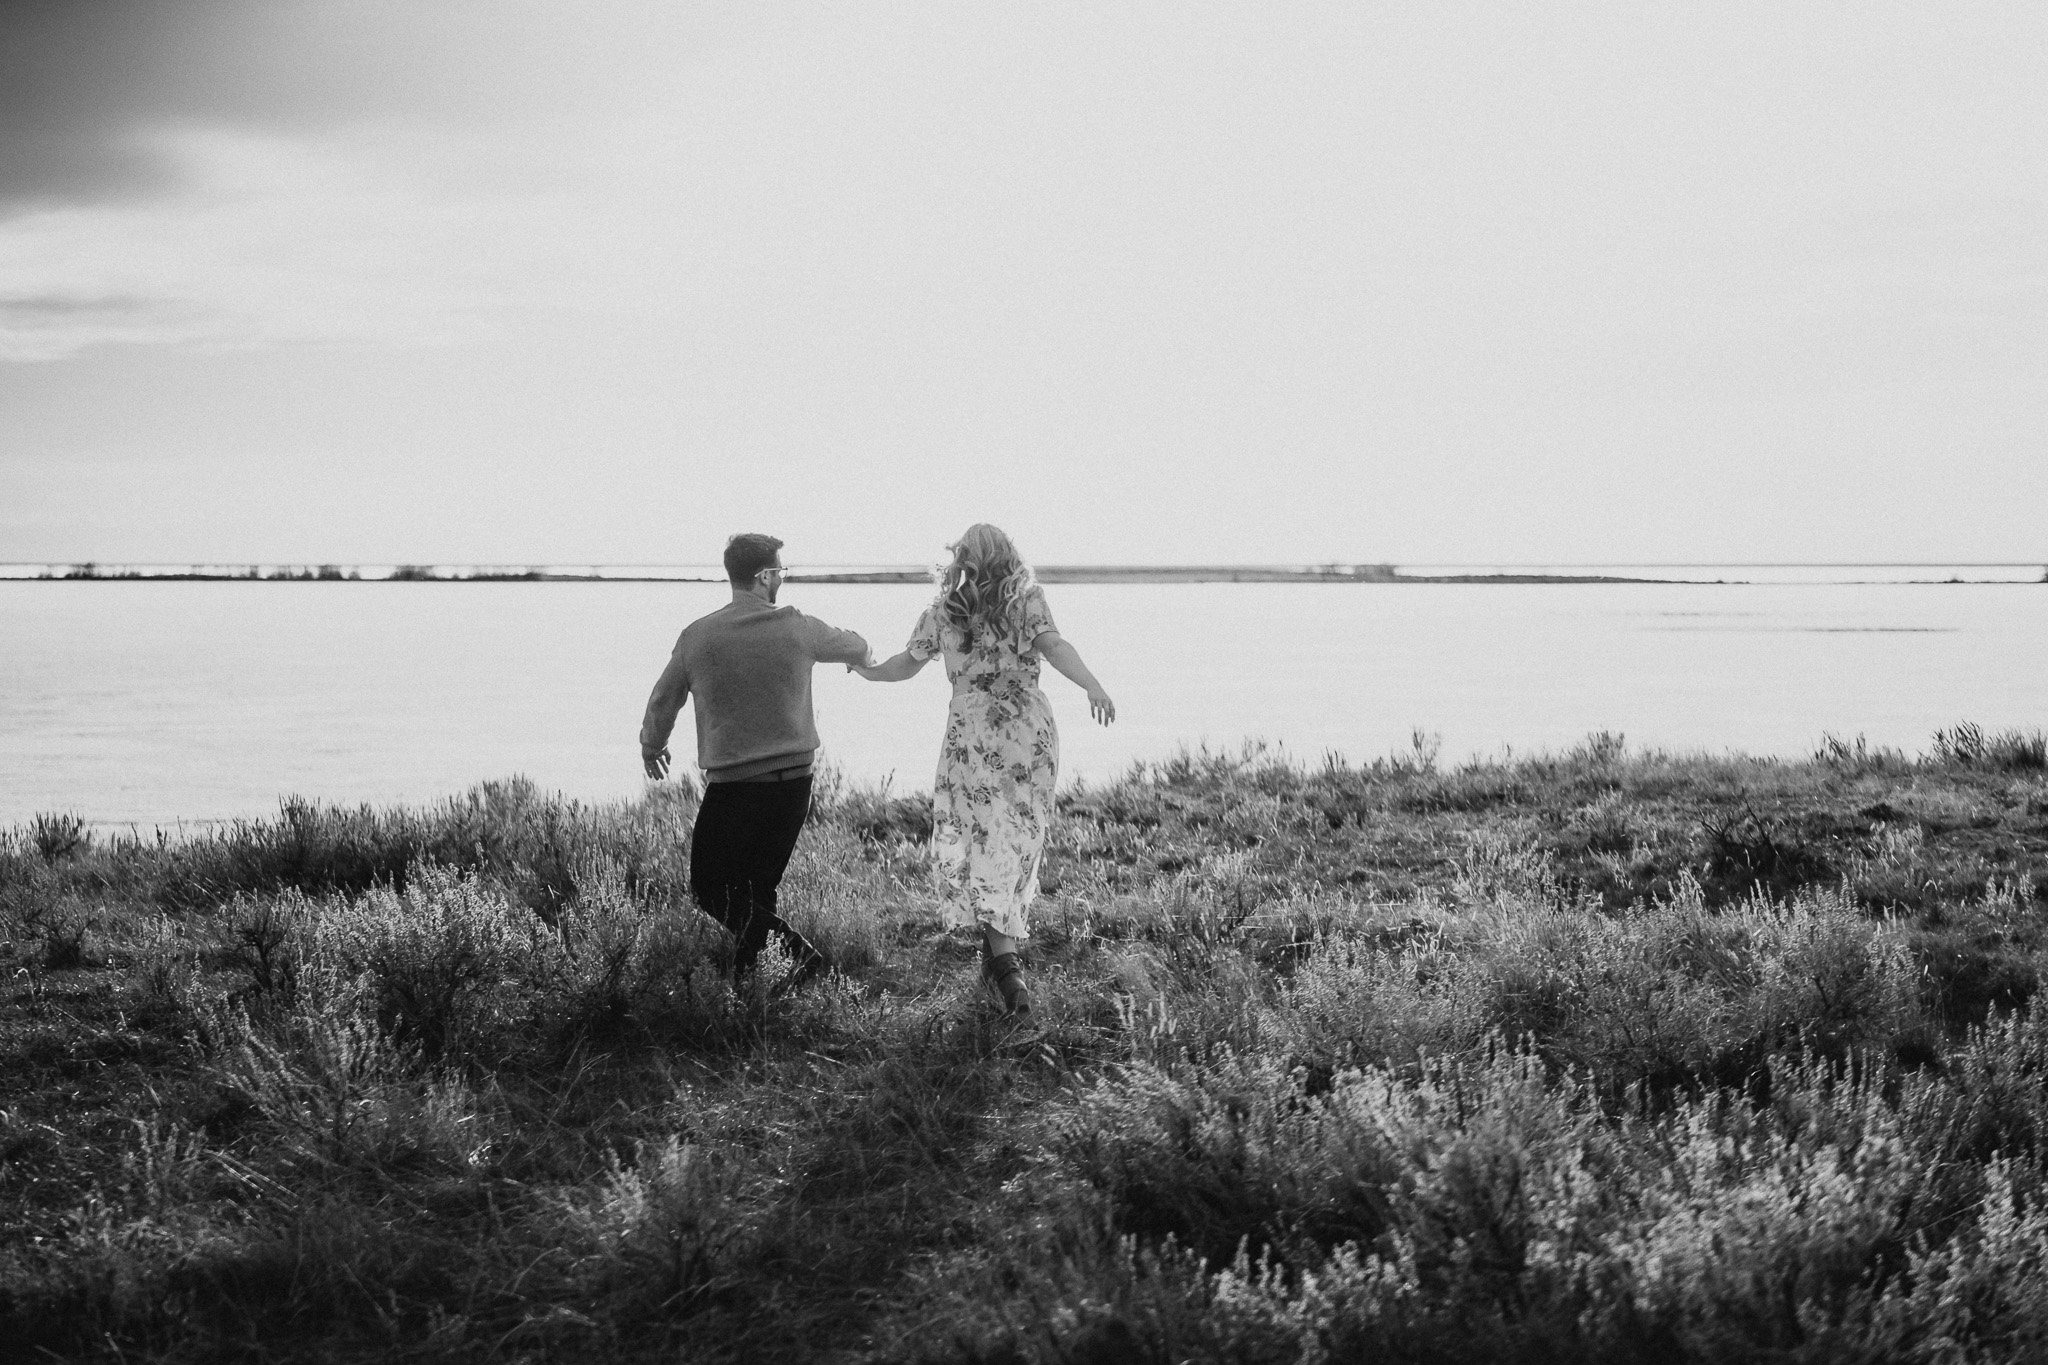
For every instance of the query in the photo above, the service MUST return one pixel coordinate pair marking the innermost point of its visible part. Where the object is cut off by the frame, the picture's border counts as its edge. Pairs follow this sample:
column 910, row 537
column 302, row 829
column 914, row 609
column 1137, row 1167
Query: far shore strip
column 1050, row 573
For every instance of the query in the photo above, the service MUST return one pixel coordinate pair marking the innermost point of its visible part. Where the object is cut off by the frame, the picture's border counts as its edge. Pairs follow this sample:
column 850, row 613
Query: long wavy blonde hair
column 982, row 591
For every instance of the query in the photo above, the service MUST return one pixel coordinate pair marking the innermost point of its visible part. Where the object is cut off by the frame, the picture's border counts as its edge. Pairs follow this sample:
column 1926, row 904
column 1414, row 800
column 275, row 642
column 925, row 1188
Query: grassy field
column 1602, row 1056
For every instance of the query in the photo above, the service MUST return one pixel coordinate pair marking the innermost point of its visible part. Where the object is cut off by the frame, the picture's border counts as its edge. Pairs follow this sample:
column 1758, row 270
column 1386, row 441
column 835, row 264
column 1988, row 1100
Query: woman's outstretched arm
column 904, row 665
column 1067, row 660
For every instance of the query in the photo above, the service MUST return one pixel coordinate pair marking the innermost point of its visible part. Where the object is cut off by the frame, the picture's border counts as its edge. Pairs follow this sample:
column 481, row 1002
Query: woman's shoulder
column 1028, row 599
column 1035, row 609
column 927, row 632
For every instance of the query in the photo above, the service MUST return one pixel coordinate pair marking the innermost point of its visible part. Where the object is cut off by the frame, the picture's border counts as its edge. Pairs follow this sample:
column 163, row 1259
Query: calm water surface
column 161, row 703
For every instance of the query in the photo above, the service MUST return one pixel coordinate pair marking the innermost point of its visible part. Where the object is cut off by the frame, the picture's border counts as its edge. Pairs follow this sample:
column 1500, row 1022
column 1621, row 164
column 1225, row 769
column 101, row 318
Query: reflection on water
column 160, row 702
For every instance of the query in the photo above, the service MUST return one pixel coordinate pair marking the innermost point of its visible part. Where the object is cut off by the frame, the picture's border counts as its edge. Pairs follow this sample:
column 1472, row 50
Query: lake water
column 170, row 703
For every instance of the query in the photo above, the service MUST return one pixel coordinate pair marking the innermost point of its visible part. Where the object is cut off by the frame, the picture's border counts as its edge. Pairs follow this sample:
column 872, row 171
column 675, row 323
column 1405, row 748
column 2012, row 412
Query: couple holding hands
column 748, row 665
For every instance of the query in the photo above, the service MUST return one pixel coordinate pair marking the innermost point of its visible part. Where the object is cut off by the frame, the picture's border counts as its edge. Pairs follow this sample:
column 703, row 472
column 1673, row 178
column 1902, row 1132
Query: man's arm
column 829, row 645
column 671, row 690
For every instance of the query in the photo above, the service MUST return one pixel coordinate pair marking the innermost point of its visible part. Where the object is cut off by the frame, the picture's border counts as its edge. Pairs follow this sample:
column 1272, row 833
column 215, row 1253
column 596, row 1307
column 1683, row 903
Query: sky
column 497, row 281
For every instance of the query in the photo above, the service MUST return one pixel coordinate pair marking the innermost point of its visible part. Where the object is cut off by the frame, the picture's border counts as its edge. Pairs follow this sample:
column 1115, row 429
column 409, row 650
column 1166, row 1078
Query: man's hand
column 655, row 763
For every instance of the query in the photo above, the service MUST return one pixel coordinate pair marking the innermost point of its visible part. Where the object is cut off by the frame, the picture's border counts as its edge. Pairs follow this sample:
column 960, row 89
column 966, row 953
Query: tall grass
column 1968, row 745
column 1604, row 1056
column 1485, row 1207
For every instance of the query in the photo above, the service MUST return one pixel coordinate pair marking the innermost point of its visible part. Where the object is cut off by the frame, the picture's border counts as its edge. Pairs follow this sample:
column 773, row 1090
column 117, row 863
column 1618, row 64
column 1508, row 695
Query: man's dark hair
column 746, row 554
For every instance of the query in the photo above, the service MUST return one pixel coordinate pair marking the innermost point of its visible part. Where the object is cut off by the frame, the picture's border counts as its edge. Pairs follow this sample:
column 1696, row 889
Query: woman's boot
column 1004, row 974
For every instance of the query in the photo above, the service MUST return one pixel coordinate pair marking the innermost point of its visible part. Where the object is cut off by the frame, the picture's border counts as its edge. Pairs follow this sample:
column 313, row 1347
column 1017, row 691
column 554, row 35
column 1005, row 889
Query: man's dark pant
column 744, row 835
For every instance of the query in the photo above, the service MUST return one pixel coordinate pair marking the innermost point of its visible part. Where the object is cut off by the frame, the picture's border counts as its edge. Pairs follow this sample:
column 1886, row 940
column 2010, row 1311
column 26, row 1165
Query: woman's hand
column 893, row 669
column 1063, row 656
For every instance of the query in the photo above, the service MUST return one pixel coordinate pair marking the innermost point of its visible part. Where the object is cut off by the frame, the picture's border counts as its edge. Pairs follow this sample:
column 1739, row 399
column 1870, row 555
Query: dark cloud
column 50, row 324
column 56, row 306
column 81, row 79
column 84, row 82
column 75, row 167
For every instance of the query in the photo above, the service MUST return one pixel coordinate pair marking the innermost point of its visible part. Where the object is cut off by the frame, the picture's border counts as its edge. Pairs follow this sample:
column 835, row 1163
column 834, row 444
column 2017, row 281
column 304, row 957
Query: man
column 748, row 664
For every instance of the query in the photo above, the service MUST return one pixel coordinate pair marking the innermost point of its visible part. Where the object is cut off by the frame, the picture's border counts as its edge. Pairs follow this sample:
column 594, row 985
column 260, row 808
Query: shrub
column 307, row 848
column 64, row 939
column 1479, row 1209
column 1467, row 1180
column 833, row 896
column 1600, row 751
column 1856, row 757
column 442, row 960
column 1967, row 745
column 1749, row 853
column 663, row 1233
column 1669, row 994
column 625, row 971
column 1216, row 1154
column 342, row 1093
column 59, row 836
column 872, row 815
column 1361, row 1001
column 2000, row 1075
column 254, row 936
column 535, row 845
column 1561, row 1088
column 106, row 1271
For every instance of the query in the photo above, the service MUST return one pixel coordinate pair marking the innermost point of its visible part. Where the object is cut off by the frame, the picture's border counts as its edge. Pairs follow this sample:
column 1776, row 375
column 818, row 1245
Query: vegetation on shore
column 325, row 573
column 1050, row 573
column 1602, row 1056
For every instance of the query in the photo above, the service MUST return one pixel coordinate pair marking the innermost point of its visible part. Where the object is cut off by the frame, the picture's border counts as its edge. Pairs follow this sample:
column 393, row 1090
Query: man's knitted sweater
column 748, row 665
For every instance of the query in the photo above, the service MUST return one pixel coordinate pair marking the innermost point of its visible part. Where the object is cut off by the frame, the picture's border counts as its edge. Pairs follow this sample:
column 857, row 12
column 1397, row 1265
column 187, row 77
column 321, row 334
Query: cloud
column 87, row 85
column 1383, row 261
column 44, row 169
column 51, row 326
column 240, row 171
column 272, row 239
column 60, row 306
column 82, row 80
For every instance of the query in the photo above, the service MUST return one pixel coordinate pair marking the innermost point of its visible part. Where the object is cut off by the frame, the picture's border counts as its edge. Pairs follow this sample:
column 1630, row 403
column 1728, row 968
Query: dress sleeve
column 924, row 637
column 1037, row 615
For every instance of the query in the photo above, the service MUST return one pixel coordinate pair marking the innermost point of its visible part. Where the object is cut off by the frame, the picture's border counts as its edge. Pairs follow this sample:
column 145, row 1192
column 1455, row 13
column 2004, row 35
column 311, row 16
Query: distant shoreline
column 1051, row 573
column 1221, row 573
column 1147, row 574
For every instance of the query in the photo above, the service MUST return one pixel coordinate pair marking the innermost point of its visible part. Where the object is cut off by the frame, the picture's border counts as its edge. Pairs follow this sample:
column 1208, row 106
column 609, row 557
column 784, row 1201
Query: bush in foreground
column 1551, row 1060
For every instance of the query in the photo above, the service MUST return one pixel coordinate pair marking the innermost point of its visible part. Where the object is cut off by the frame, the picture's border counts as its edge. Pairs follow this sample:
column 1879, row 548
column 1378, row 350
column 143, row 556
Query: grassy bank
column 1603, row 1056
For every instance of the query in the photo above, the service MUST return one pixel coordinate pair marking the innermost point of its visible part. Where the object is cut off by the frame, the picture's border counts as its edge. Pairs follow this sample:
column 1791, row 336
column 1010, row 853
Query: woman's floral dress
column 992, row 802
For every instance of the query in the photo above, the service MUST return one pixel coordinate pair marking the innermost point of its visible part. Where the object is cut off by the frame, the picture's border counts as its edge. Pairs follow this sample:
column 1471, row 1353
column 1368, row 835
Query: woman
column 992, row 802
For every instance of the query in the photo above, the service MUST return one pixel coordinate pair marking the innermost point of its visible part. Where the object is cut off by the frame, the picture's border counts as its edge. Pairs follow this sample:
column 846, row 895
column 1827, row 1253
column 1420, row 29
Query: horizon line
column 1095, row 564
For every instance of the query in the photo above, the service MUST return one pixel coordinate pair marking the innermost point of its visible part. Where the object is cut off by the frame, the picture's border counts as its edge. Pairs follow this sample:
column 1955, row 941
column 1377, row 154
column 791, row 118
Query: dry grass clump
column 1485, row 1208
column 1969, row 745
column 1604, row 1056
